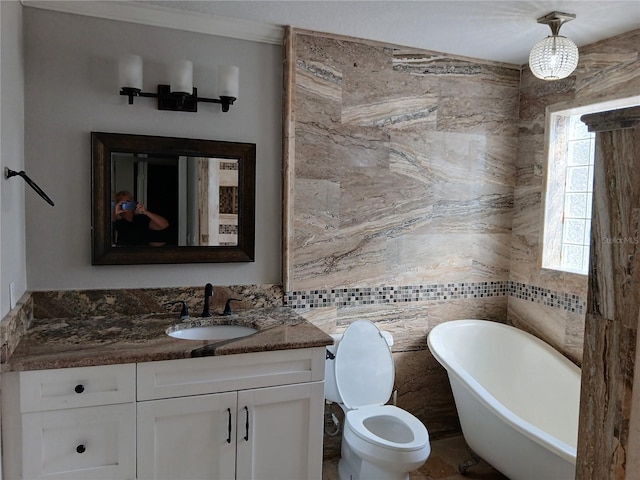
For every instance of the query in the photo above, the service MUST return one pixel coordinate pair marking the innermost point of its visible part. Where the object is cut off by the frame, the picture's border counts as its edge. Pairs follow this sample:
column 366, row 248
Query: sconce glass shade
column 553, row 58
column 181, row 77
column 228, row 81
column 130, row 71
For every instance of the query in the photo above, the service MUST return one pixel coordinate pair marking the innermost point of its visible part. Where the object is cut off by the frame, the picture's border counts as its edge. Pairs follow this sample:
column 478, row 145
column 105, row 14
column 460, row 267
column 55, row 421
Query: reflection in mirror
column 197, row 195
column 193, row 198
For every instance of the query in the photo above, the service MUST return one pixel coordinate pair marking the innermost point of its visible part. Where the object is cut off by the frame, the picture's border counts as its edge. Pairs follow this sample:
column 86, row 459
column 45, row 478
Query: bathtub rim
column 560, row 448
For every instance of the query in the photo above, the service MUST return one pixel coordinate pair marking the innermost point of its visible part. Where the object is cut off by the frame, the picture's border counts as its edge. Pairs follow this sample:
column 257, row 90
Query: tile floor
column 442, row 464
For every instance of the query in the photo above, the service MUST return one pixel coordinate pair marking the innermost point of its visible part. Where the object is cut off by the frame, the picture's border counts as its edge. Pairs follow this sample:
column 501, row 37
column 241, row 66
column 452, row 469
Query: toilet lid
column 364, row 366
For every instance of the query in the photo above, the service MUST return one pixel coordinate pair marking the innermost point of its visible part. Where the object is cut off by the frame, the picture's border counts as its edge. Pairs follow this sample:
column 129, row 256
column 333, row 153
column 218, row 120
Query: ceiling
column 502, row 31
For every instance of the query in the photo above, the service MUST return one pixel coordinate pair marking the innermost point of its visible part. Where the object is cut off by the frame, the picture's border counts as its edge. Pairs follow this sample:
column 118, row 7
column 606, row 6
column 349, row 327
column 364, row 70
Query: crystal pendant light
column 554, row 57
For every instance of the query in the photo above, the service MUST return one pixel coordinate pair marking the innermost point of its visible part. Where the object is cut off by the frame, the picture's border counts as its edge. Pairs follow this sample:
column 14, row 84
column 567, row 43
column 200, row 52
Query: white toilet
column 379, row 441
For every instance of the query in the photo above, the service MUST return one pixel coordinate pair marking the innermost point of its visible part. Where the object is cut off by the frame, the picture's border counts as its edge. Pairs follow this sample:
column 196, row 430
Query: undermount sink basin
column 211, row 332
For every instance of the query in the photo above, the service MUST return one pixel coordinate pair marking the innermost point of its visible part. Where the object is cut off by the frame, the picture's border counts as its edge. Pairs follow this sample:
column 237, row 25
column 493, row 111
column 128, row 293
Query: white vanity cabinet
column 74, row 423
column 187, row 438
column 279, row 432
column 186, row 430
column 244, row 416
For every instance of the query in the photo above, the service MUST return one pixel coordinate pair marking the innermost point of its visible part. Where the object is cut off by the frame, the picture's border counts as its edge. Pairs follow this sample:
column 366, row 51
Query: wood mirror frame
column 104, row 252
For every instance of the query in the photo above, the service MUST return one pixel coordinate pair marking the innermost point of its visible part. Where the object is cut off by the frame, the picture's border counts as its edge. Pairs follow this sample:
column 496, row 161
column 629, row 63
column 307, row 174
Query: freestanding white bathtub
column 517, row 398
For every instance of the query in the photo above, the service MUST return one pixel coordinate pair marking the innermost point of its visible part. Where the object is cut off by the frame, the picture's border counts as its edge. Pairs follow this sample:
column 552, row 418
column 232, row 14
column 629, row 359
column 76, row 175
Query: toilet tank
column 331, row 393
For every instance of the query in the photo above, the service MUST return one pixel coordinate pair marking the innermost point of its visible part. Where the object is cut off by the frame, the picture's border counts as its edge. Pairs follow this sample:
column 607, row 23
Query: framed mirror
column 171, row 200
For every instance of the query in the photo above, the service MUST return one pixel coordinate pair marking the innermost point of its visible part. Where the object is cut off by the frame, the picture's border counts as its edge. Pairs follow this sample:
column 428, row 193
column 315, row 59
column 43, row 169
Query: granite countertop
column 79, row 342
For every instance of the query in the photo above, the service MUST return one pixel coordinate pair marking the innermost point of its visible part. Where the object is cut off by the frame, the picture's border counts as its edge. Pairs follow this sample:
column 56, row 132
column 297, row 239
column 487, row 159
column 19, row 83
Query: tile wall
column 404, row 167
column 416, row 196
column 607, row 70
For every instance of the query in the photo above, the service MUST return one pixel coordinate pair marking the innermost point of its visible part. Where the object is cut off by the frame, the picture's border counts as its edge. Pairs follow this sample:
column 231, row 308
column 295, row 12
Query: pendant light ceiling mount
column 554, row 57
column 555, row 20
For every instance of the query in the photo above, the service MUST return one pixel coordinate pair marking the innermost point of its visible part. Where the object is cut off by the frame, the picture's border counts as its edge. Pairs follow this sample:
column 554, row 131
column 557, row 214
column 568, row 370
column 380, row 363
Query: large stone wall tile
column 623, row 80
column 473, row 209
column 407, row 322
column 334, row 155
column 571, row 283
column 377, row 199
column 423, row 389
column 322, row 105
column 527, row 213
column 411, row 322
column 400, row 112
column 341, row 51
column 346, row 259
column 574, row 337
column 530, row 161
column 478, row 115
column 426, row 259
column 610, row 68
column 497, row 154
column 458, row 77
column 533, row 88
column 372, row 78
column 483, row 82
column 525, row 253
column 491, row 257
column 536, row 95
column 318, row 202
column 319, row 80
column 486, row 308
column 546, row 323
column 458, row 158
column 325, row 318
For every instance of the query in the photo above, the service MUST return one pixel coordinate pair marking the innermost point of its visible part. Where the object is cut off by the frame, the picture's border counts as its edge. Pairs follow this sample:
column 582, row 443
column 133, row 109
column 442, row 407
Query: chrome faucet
column 208, row 293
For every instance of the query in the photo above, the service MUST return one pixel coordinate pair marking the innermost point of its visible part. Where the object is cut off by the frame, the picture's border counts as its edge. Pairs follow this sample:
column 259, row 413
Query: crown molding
column 157, row 16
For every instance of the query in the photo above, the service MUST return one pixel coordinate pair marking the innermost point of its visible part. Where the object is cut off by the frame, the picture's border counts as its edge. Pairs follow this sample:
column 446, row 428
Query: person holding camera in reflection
column 133, row 224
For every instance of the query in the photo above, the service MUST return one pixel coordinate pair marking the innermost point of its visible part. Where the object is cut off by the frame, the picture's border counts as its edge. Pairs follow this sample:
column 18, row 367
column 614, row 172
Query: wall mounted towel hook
column 8, row 173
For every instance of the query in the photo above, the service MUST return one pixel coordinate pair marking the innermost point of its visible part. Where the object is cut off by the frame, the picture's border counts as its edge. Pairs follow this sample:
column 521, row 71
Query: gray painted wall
column 71, row 89
column 12, row 191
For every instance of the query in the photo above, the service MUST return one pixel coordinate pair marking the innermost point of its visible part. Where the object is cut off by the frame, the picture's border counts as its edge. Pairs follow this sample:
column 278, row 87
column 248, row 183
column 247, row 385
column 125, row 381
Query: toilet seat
column 378, row 441
column 408, row 433
column 364, row 369
column 364, row 372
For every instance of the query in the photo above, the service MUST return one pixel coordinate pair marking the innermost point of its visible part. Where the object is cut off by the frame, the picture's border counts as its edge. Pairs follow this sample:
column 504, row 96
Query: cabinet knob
column 79, row 388
column 81, row 448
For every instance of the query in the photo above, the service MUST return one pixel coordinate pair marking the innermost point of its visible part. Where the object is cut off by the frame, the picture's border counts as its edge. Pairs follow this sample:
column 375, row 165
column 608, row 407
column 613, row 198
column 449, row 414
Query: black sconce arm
column 8, row 173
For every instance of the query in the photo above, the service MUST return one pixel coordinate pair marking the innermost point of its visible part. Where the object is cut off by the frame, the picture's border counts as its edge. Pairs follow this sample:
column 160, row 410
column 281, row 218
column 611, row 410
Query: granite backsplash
column 90, row 303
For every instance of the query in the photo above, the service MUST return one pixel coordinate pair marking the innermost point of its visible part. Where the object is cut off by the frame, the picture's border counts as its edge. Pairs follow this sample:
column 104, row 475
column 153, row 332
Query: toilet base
column 353, row 467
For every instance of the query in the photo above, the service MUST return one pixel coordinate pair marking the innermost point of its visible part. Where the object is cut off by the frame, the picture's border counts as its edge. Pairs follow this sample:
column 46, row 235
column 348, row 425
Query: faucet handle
column 184, row 313
column 227, row 306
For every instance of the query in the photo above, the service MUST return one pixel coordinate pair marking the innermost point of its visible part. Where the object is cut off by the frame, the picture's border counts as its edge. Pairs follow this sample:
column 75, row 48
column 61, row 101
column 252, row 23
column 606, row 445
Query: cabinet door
column 280, row 432
column 80, row 443
column 187, row 438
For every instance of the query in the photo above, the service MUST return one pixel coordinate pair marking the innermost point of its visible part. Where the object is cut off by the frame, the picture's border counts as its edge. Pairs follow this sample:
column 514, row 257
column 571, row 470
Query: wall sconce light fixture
column 554, row 57
column 180, row 95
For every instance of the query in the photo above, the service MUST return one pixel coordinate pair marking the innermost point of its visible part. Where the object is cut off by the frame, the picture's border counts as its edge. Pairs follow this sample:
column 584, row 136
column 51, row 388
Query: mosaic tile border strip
column 343, row 297
column 348, row 297
column 548, row 297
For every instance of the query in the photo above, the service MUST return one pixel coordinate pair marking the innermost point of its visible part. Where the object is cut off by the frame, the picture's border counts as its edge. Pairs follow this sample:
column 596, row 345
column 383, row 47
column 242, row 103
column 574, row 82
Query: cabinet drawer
column 197, row 376
column 84, row 443
column 42, row 390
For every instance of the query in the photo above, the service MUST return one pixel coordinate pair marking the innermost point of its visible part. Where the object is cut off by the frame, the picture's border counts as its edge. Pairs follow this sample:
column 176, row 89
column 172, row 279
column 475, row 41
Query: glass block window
column 578, row 188
column 570, row 149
